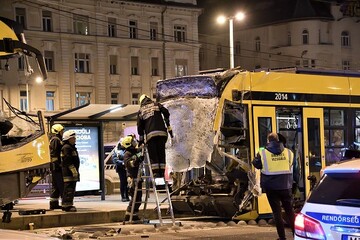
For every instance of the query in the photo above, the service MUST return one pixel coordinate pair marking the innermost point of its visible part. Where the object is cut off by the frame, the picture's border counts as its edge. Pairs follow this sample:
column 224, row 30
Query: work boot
column 54, row 205
column 69, row 209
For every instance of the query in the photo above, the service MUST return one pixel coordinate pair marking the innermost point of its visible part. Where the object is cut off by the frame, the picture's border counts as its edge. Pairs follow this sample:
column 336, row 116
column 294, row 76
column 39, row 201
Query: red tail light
column 308, row 228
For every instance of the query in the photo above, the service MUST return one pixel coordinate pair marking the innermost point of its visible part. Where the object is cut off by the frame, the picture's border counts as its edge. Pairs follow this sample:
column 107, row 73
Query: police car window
column 335, row 187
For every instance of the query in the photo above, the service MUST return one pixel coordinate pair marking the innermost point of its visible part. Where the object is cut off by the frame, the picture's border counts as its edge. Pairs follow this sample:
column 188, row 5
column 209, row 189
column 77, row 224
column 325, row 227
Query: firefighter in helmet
column 70, row 168
column 153, row 125
column 132, row 158
column 57, row 182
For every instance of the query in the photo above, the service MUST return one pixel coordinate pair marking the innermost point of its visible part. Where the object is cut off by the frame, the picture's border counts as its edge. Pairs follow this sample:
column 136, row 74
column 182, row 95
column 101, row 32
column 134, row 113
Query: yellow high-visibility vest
column 276, row 164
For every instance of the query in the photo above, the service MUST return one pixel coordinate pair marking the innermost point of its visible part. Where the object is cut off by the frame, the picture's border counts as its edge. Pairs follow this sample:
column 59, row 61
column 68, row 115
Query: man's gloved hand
column 139, row 157
column 170, row 131
column 74, row 171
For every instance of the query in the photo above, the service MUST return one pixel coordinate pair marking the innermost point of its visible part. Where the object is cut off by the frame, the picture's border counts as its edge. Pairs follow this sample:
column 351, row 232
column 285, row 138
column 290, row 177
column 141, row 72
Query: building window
column 135, row 98
column 49, row 60
column 218, row 50
column 257, row 44
column 181, row 68
column 47, row 21
column 179, row 33
column 114, row 98
column 345, row 39
column 111, row 27
column 134, row 66
column 82, row 62
column 305, row 37
column 20, row 16
column 154, row 66
column 313, row 65
column 133, row 29
column 113, row 64
column 81, row 24
column 237, row 48
column 305, row 63
column 346, row 65
column 153, row 30
column 21, row 63
column 23, row 101
column 83, row 98
column 289, row 38
column 50, row 100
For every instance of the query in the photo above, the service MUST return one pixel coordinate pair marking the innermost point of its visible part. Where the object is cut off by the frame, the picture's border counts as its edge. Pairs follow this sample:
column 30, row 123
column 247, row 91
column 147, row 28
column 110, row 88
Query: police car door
column 314, row 147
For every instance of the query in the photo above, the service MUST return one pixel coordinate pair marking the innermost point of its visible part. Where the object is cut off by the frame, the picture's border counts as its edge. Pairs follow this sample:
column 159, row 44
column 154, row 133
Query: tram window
column 264, row 129
column 357, row 127
column 334, row 120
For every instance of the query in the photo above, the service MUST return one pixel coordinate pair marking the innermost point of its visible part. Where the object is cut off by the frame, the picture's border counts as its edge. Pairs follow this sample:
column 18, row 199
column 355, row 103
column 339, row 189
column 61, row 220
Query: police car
column 332, row 211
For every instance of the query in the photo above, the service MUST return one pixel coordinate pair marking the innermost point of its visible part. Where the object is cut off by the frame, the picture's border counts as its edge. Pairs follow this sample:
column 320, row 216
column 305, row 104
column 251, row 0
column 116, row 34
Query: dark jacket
column 150, row 119
column 55, row 152
column 132, row 161
column 70, row 163
column 273, row 182
column 118, row 157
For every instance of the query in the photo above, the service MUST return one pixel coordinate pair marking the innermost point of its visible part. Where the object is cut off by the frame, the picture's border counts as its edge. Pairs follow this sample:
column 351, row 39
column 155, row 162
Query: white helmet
column 68, row 134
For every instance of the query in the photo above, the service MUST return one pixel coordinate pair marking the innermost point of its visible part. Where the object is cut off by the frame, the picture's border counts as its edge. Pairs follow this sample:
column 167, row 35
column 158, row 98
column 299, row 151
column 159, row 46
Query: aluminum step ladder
column 151, row 185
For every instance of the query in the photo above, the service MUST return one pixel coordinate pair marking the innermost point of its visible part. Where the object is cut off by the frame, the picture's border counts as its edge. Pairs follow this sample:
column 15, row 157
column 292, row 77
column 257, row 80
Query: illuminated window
column 23, row 101
column 50, row 100
column 83, row 98
column 346, row 65
column 81, row 24
column 135, row 98
column 181, row 68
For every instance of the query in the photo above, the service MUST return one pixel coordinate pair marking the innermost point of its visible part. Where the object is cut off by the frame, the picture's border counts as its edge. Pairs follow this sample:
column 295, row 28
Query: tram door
column 264, row 123
column 314, row 149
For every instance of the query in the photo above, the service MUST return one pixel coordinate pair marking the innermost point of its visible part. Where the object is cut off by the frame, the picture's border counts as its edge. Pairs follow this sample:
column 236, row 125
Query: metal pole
column 27, row 97
column 231, row 32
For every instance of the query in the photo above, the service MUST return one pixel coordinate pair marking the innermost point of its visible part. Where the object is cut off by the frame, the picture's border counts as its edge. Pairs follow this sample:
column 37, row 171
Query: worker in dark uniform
column 70, row 168
column 153, row 125
column 118, row 160
column 132, row 158
column 276, row 165
column 57, row 182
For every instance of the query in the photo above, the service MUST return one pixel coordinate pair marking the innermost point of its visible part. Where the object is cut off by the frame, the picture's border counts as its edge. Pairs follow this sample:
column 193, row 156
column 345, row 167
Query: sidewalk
column 90, row 210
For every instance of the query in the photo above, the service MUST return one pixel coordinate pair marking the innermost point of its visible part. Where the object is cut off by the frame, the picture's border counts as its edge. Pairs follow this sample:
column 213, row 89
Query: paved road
column 187, row 230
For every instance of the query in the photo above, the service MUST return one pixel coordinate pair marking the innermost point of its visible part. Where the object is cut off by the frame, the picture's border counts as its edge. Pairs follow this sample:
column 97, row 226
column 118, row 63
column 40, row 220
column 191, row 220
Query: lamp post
column 222, row 19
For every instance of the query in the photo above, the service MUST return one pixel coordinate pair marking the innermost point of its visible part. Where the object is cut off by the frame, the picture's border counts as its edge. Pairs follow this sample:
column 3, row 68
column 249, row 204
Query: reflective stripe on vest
column 276, row 164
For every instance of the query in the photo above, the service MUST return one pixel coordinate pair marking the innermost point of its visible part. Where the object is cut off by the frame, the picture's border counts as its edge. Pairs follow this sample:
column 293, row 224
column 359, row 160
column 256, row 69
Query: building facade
column 99, row 51
column 278, row 34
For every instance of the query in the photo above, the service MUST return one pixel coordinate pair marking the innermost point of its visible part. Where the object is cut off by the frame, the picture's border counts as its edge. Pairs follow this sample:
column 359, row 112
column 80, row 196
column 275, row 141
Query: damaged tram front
column 221, row 120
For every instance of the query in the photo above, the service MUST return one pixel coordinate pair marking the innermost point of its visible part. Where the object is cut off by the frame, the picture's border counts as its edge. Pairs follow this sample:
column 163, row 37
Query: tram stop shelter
column 88, row 123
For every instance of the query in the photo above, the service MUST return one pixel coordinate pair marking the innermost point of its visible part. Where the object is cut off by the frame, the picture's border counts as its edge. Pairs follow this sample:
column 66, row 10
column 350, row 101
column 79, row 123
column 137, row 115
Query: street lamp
column 222, row 19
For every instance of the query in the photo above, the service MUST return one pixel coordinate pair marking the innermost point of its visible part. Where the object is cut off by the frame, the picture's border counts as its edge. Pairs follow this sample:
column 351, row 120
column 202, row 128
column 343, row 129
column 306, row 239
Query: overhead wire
column 189, row 42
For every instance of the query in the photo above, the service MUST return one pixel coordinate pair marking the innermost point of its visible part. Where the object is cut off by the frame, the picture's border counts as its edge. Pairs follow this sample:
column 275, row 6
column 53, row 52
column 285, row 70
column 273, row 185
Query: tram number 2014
column 281, row 96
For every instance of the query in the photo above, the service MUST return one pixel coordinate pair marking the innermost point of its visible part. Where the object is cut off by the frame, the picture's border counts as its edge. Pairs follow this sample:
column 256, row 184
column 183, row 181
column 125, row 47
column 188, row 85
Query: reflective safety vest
column 276, row 164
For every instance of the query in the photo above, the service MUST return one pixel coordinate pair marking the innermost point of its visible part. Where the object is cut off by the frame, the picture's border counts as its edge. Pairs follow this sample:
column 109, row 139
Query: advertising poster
column 87, row 144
